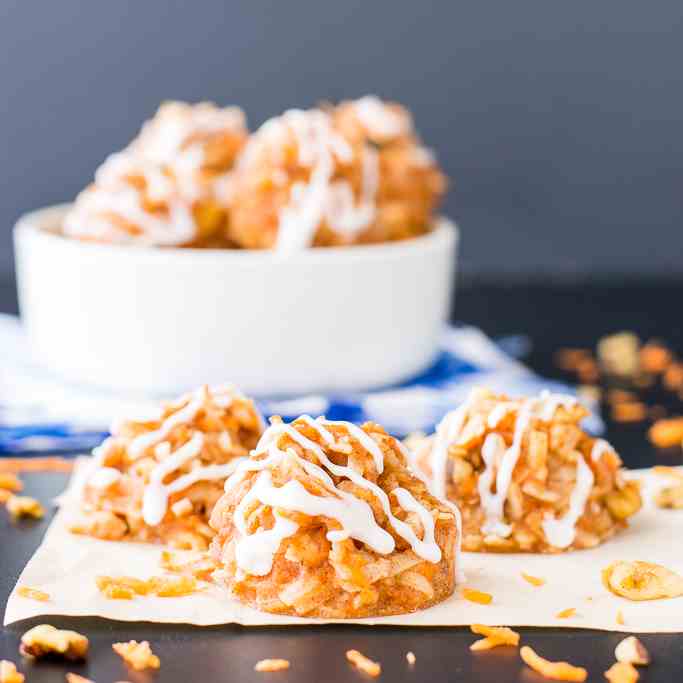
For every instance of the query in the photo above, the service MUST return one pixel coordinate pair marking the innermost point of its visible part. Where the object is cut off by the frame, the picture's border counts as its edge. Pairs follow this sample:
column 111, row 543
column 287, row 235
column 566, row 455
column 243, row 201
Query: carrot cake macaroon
column 171, row 186
column 525, row 476
column 325, row 519
column 333, row 176
column 157, row 480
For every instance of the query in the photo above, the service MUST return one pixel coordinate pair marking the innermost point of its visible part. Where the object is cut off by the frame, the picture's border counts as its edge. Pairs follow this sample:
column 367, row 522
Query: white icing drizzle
column 380, row 120
column 561, row 532
column 497, row 458
column 186, row 414
column 168, row 154
column 353, row 514
column 320, row 199
column 155, row 497
column 600, row 447
column 156, row 493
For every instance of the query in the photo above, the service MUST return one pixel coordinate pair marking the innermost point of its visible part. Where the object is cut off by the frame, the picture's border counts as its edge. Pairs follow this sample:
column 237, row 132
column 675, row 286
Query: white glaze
column 353, row 514
column 499, row 461
column 600, row 447
column 320, row 199
column 561, row 532
column 169, row 162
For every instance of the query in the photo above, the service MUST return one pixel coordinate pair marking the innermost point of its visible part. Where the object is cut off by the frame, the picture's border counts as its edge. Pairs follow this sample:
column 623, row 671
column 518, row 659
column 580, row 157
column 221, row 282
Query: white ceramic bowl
column 157, row 321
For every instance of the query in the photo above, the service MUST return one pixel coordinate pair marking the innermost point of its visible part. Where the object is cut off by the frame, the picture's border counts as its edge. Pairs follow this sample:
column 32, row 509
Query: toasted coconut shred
column 533, row 580
column 33, row 594
column 494, row 637
column 558, row 671
column 361, row 662
column 566, row 613
column 479, row 597
column 267, row 665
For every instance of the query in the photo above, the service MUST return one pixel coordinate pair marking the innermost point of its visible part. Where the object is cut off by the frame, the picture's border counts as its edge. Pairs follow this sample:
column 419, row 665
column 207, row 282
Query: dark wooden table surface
column 552, row 316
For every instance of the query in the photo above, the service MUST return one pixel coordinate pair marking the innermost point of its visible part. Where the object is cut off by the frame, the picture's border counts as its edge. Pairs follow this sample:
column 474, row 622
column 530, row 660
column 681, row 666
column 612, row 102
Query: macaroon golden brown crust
column 325, row 519
column 525, row 475
column 352, row 174
column 170, row 186
column 157, row 480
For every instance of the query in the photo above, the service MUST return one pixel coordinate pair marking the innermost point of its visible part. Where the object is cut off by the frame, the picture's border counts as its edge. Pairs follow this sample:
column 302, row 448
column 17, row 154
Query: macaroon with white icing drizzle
column 157, row 479
column 334, row 176
column 171, row 186
column 525, row 475
column 326, row 519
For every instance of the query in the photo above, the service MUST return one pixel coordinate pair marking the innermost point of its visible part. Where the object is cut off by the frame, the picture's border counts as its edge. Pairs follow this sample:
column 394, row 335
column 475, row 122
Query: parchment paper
column 65, row 566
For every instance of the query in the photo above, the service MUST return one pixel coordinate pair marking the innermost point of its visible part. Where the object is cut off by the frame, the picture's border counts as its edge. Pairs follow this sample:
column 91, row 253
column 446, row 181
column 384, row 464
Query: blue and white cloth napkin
column 39, row 412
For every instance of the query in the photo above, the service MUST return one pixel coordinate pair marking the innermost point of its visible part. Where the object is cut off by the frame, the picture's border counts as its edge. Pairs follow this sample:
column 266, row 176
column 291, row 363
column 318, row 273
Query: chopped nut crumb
column 642, row 581
column 569, row 359
column 655, row 358
column 10, row 482
column 24, row 506
column 667, row 433
column 45, row 639
column 272, row 665
column 673, row 377
column 566, row 613
column 138, row 656
column 9, row 673
column 620, row 672
column 629, row 412
column 33, row 594
column 559, row 671
column 631, row 651
column 533, row 580
column 410, row 657
column 618, row 354
column 361, row 662
column 76, row 678
column 477, row 596
column 494, row 636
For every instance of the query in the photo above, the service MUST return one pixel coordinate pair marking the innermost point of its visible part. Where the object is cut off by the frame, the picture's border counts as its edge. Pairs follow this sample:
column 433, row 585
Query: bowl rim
column 445, row 234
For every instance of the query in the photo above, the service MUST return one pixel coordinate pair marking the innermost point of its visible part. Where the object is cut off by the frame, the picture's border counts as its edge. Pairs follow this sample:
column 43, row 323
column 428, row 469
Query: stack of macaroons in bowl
column 355, row 173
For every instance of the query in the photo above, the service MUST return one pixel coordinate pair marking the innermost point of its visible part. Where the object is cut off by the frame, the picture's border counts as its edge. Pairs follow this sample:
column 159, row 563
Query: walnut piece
column 45, row 639
column 9, row 673
column 632, row 651
column 24, row 506
column 138, row 656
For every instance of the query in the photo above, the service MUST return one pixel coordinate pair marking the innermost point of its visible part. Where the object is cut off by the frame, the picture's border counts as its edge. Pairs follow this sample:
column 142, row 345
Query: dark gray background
column 560, row 122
